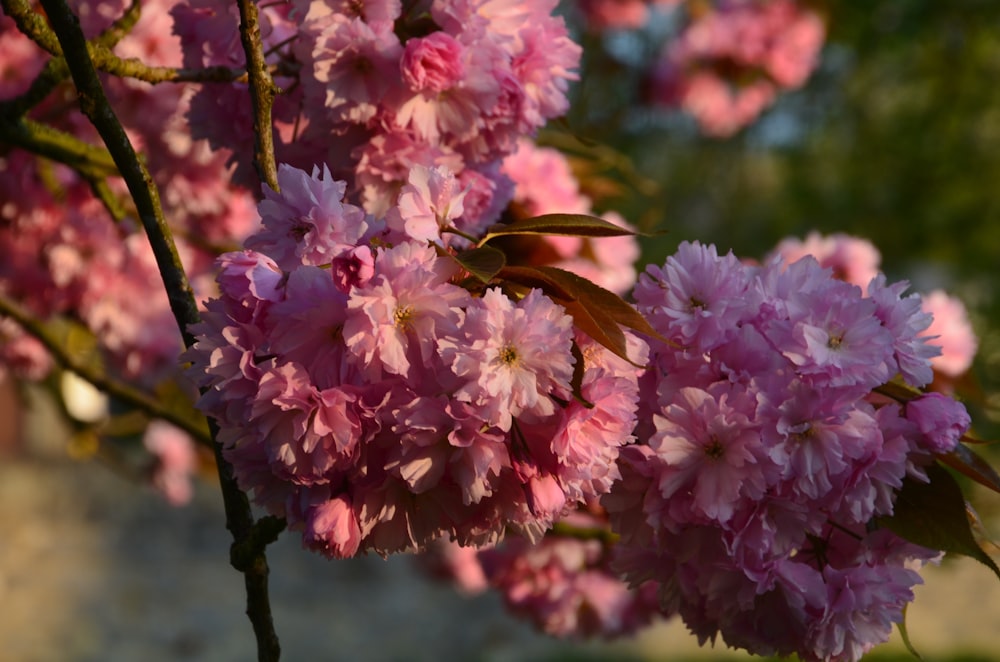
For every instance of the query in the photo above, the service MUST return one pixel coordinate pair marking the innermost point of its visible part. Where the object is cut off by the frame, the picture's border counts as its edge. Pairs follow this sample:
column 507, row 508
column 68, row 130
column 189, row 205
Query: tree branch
column 120, row 390
column 94, row 104
column 262, row 93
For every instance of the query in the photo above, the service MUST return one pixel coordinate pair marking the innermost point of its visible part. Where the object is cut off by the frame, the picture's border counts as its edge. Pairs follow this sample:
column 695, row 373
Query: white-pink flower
column 512, row 357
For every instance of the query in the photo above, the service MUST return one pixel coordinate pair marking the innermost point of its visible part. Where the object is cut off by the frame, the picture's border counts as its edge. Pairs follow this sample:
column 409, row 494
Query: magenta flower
column 710, row 451
column 942, row 421
column 397, row 317
column 430, row 201
column 698, row 298
column 433, row 63
column 512, row 357
column 307, row 222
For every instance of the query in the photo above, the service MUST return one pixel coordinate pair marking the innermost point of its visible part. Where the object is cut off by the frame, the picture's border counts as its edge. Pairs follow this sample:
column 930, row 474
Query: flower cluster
column 767, row 453
column 857, row 261
column 70, row 253
column 395, row 84
column 731, row 61
column 564, row 584
column 374, row 402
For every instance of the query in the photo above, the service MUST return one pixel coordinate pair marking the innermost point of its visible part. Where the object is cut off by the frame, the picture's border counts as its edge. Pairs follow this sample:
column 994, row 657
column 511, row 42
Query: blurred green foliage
column 895, row 138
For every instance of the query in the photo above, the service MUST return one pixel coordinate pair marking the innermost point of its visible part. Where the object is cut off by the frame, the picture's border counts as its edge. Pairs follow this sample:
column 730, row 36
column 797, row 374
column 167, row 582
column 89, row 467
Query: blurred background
column 895, row 138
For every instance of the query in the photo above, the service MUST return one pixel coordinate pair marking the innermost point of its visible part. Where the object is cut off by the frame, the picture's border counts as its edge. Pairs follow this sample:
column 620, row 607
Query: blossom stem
column 247, row 553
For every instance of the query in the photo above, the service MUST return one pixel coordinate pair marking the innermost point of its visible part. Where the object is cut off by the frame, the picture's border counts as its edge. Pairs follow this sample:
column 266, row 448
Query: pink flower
column 698, row 297
column 307, row 222
column 942, row 421
column 429, row 202
column 710, row 451
column 951, row 331
column 397, row 317
column 354, row 63
column 175, row 461
column 332, row 528
column 908, row 324
column 433, row 63
column 249, row 277
column 852, row 259
column 511, row 357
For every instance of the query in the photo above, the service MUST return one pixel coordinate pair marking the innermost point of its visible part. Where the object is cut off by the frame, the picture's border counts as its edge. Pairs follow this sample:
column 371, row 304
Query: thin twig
column 262, row 93
column 247, row 552
column 118, row 389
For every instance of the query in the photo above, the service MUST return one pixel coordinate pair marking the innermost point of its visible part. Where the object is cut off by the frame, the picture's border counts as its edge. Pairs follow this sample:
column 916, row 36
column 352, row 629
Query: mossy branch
column 94, row 104
column 103, row 382
column 262, row 93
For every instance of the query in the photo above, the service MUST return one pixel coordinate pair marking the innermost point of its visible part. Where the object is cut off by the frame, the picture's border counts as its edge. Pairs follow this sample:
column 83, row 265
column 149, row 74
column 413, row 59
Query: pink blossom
column 565, row 586
column 428, row 203
column 249, row 277
column 354, row 64
column 175, row 461
column 545, row 182
column 332, row 528
column 512, row 357
column 406, row 306
column 904, row 318
column 433, row 63
column 307, row 222
column 698, row 297
column 950, row 330
column 852, row 259
column 710, row 450
column 942, row 421
column 761, row 46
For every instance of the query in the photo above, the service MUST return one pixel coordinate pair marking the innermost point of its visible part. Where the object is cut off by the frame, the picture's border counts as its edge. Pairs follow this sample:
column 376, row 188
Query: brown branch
column 120, row 390
column 247, row 552
column 262, row 93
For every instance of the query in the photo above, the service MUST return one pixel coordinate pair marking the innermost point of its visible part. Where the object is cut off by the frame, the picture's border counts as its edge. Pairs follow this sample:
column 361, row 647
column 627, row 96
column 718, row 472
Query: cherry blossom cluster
column 730, row 62
column 564, row 584
column 368, row 396
column 67, row 254
column 379, row 86
column 767, row 452
column 857, row 261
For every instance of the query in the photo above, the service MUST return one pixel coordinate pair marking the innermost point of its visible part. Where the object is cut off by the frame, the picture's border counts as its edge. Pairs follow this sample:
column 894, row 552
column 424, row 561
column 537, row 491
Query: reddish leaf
column 965, row 461
column 572, row 225
column 612, row 305
column 933, row 515
column 483, row 263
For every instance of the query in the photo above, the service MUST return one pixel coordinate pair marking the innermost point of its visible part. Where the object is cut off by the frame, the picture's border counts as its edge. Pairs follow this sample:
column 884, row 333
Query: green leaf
column 570, row 225
column 934, row 515
column 595, row 311
column 967, row 462
column 483, row 262
column 904, row 635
